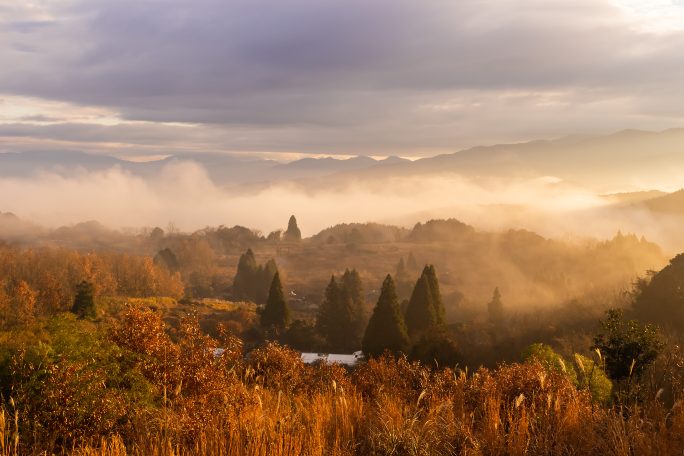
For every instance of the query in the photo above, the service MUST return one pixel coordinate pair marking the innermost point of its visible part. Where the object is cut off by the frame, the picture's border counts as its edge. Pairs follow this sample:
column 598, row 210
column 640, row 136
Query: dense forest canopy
column 124, row 321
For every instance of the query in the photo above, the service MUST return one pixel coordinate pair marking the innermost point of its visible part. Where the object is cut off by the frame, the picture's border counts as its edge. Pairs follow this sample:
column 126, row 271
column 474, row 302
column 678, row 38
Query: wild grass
column 273, row 404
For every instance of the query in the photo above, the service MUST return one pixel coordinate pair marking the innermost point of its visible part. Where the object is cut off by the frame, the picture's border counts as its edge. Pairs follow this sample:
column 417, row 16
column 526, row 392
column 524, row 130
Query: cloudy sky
column 140, row 78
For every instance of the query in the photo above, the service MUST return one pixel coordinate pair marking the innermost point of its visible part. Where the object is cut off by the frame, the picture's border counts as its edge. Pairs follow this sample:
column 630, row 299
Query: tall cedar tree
column 495, row 308
column 431, row 274
column 84, row 303
column 420, row 313
column 411, row 262
column 352, row 285
column 243, row 284
column 326, row 318
column 401, row 268
column 276, row 314
column 263, row 279
column 336, row 319
column 252, row 281
column 293, row 234
column 386, row 329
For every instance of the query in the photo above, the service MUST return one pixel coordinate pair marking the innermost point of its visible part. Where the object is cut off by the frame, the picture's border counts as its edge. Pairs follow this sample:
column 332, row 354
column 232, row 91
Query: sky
column 148, row 78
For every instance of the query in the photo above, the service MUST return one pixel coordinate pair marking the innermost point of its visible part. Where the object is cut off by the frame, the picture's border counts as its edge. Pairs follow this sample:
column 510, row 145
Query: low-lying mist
column 183, row 194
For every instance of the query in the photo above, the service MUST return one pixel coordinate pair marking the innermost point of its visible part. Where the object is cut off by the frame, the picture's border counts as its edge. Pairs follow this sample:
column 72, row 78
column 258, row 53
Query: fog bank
column 183, row 194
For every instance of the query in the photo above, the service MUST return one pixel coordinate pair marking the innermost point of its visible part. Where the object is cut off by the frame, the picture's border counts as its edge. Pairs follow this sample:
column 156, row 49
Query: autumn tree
column 276, row 314
column 24, row 301
column 386, row 329
column 84, row 302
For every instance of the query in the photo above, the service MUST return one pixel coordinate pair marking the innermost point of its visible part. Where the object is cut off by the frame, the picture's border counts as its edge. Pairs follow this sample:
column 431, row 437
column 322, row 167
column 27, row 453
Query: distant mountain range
column 670, row 203
column 224, row 170
column 627, row 159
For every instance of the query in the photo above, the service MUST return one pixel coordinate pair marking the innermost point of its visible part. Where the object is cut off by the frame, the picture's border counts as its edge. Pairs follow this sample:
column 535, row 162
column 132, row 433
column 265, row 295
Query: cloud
column 346, row 76
column 184, row 194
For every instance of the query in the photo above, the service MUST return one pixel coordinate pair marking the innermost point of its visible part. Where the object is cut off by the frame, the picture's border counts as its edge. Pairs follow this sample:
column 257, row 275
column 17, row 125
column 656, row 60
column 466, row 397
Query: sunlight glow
column 660, row 16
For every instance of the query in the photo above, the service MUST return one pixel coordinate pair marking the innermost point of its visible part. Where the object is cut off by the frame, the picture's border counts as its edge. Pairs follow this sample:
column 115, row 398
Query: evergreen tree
column 339, row 317
column 292, row 234
column 401, row 268
column 411, row 262
column 252, row 281
column 276, row 314
column 326, row 320
column 353, row 288
column 263, row 278
column 420, row 313
column 436, row 347
column 351, row 281
column 386, row 329
column 495, row 308
column 243, row 284
column 167, row 258
column 431, row 276
column 84, row 303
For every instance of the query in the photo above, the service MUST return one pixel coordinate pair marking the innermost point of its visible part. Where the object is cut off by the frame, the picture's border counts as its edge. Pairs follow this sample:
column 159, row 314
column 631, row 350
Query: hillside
column 671, row 204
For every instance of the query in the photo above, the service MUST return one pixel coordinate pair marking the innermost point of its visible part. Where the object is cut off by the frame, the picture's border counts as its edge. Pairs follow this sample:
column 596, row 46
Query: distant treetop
column 293, row 234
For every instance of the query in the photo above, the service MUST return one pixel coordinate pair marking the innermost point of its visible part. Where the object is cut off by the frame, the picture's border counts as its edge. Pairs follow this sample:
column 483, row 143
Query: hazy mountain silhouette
column 602, row 163
column 633, row 197
column 671, row 203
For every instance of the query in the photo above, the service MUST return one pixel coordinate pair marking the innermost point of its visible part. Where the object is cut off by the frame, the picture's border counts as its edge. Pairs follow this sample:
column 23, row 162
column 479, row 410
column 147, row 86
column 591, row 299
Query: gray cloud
column 342, row 76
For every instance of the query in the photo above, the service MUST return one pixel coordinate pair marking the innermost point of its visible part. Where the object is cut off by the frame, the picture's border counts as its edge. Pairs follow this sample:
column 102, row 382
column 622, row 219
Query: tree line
column 44, row 281
column 341, row 320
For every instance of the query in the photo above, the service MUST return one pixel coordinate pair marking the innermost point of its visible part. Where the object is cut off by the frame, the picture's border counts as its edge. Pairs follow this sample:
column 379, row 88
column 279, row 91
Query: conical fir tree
column 495, row 308
column 420, row 313
column 84, row 303
column 293, row 234
column 351, row 282
column 431, row 275
column 243, row 284
column 326, row 318
column 263, row 278
column 411, row 262
column 353, row 287
column 337, row 318
column 276, row 314
column 386, row 329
